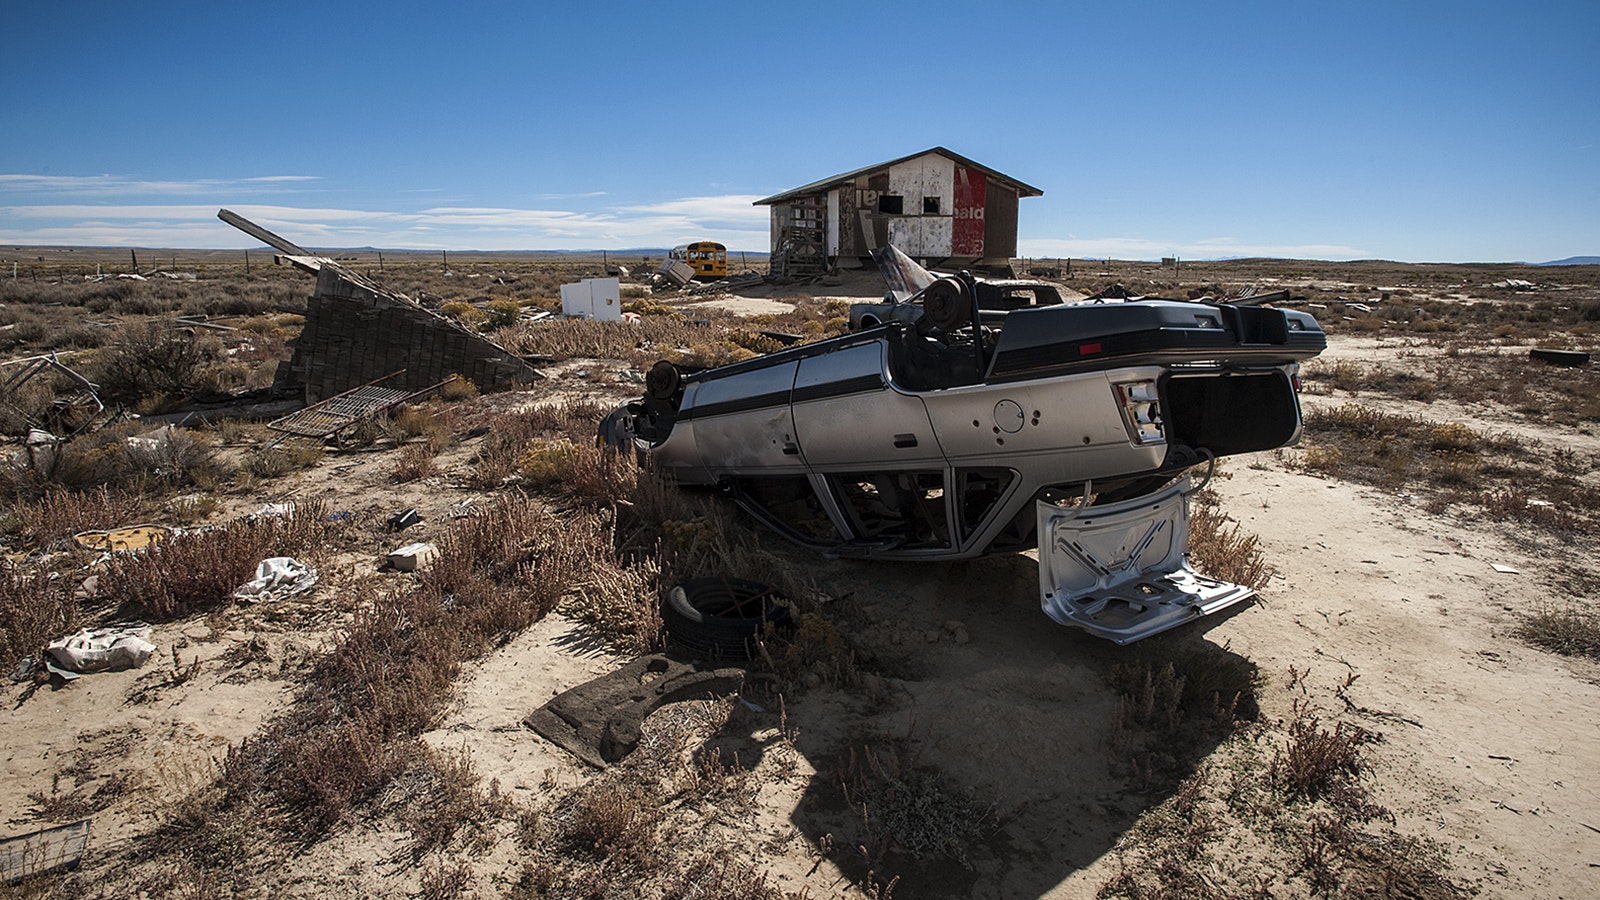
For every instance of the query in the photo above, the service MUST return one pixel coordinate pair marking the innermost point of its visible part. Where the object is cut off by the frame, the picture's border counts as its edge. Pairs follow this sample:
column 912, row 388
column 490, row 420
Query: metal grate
column 329, row 417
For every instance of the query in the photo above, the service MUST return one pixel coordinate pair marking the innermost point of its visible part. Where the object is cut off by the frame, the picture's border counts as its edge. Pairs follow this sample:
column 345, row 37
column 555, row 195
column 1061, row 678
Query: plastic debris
column 271, row 511
column 276, row 578
column 119, row 646
column 404, row 519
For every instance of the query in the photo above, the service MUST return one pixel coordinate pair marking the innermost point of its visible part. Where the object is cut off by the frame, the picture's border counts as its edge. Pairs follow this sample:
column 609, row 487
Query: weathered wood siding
column 353, row 335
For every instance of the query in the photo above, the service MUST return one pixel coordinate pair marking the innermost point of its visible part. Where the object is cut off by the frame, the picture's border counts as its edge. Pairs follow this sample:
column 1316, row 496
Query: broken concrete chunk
column 412, row 557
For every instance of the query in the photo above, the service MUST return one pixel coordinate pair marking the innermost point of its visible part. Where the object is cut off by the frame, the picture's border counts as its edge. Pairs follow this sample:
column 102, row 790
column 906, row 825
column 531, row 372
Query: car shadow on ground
column 980, row 750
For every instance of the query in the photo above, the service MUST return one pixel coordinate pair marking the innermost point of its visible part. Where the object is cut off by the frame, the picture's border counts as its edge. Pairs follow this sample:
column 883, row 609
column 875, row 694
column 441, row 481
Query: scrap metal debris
column 404, row 519
column 675, row 272
column 599, row 721
column 127, row 539
column 356, row 330
column 335, row 415
column 70, row 412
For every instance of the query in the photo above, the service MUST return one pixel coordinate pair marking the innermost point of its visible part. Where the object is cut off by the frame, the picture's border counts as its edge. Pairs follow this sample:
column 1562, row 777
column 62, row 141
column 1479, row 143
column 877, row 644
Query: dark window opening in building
column 893, row 204
column 930, row 206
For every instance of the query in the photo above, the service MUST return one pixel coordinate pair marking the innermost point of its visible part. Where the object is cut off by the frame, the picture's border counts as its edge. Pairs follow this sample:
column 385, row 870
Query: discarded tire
column 721, row 618
column 1559, row 357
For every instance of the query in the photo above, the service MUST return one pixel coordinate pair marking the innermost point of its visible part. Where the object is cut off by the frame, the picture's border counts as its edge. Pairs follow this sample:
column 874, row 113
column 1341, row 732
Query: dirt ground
column 1380, row 614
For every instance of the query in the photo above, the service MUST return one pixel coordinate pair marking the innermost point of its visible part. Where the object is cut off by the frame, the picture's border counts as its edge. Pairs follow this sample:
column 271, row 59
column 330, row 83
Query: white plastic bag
column 276, row 578
column 120, row 646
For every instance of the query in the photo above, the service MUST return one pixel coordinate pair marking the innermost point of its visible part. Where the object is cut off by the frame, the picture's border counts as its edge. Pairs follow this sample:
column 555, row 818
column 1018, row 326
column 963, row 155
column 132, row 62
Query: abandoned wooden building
column 936, row 206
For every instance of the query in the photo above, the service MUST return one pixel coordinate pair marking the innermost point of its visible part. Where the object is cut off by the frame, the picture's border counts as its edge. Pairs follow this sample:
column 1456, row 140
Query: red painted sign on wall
column 972, row 189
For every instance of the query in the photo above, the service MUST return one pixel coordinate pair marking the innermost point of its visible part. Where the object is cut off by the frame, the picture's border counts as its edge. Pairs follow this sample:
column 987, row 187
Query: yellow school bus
column 709, row 259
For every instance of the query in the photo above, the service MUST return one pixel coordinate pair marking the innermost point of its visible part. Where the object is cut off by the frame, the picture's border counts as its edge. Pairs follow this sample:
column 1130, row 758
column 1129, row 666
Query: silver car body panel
column 1119, row 571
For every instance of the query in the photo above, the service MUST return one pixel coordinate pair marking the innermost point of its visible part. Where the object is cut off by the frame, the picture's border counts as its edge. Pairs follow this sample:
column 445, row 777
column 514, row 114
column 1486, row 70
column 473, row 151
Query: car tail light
column 1141, row 411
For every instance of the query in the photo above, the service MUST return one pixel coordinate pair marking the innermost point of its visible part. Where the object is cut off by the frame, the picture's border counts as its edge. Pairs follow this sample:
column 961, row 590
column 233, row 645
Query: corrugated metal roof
column 815, row 187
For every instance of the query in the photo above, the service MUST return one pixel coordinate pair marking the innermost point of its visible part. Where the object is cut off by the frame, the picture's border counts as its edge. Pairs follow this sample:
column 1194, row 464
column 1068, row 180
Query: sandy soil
column 1489, row 745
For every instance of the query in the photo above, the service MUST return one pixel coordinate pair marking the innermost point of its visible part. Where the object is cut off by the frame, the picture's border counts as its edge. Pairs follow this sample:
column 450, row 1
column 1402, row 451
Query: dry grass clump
column 1506, row 477
column 149, row 359
column 1301, row 822
column 1568, row 632
column 722, row 878
column 199, row 570
column 35, row 609
column 1172, row 699
column 290, row 456
column 509, row 435
column 1353, row 378
column 503, row 444
column 432, row 422
column 621, row 602
column 572, row 419
column 906, row 807
column 584, row 473
column 58, row 514
column 354, row 729
column 414, row 462
column 594, row 840
column 609, row 819
column 440, row 803
column 122, row 457
column 1220, row 549
column 1316, row 763
column 581, row 338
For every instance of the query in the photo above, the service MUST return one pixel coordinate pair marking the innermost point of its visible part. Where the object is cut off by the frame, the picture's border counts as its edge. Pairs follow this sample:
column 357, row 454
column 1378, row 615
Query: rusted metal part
column 69, row 414
column 328, row 418
column 599, row 721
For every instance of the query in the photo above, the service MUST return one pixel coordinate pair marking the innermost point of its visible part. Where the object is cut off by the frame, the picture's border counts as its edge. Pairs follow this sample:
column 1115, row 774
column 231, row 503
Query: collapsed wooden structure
column 357, row 331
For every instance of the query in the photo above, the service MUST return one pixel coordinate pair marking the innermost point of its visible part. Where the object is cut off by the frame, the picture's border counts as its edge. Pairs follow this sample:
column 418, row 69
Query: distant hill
column 1573, row 261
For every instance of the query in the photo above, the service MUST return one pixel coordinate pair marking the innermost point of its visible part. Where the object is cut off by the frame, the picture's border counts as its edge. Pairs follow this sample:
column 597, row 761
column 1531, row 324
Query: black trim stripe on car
column 736, row 405
column 860, row 384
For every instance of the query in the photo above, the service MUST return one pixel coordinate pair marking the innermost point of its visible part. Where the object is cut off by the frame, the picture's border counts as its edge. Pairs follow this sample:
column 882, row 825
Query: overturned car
column 959, row 433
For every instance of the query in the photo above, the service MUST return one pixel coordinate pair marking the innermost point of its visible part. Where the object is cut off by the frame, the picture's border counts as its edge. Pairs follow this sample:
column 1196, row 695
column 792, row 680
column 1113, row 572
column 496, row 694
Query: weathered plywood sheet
column 971, row 189
column 921, row 236
column 925, row 176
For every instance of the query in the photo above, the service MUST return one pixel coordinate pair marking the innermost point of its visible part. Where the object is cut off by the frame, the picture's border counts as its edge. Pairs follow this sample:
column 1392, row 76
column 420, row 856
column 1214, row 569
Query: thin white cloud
column 1205, row 248
column 728, row 207
column 727, row 219
column 123, row 185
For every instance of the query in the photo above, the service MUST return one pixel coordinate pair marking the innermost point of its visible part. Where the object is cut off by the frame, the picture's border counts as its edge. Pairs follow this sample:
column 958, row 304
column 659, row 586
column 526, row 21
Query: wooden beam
column 261, row 234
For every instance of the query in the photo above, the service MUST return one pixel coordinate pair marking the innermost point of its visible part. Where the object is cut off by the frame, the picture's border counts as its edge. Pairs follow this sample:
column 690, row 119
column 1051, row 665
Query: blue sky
column 1416, row 131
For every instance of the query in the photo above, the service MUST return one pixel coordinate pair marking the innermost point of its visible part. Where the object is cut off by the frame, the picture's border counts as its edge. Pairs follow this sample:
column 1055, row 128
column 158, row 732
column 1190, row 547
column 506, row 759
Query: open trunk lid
column 1118, row 571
